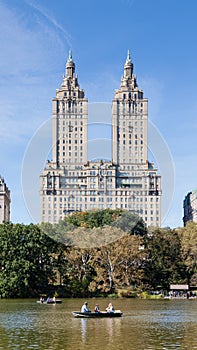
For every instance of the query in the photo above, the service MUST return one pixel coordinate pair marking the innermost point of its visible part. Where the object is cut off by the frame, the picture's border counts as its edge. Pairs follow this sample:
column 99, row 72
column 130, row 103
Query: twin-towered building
column 70, row 182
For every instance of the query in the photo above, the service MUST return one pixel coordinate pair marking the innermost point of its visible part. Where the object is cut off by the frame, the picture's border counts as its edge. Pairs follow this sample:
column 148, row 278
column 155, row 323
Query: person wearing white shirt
column 85, row 307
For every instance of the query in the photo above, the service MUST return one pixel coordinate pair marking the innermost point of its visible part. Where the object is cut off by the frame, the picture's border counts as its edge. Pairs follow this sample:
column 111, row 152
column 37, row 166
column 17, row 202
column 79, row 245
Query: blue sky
column 35, row 37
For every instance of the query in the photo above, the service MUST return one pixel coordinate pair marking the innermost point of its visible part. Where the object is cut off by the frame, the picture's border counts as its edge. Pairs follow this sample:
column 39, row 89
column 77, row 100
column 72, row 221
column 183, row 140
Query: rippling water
column 145, row 325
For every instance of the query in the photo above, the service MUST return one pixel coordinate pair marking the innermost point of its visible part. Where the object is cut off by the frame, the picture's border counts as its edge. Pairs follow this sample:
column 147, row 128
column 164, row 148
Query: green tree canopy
column 164, row 264
column 188, row 237
column 26, row 263
column 93, row 218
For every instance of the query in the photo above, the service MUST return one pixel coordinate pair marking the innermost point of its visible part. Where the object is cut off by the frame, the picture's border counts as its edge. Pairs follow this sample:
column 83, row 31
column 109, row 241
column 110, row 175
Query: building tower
column 70, row 116
column 4, row 202
column 135, row 174
column 69, row 149
column 129, row 121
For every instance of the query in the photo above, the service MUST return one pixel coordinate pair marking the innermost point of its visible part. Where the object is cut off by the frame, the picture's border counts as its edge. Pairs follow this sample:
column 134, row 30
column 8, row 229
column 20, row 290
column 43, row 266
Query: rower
column 110, row 308
column 96, row 309
column 85, row 307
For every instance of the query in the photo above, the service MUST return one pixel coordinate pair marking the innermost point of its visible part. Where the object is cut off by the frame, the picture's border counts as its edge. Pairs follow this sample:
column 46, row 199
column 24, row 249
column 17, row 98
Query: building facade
column 70, row 182
column 190, row 207
column 4, row 202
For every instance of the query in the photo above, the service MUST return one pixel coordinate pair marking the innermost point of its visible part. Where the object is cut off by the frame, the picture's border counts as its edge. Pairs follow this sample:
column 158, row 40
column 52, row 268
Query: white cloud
column 51, row 19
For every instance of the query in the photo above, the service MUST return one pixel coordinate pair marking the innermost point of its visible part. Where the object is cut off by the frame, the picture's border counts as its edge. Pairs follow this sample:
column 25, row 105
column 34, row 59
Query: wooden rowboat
column 101, row 314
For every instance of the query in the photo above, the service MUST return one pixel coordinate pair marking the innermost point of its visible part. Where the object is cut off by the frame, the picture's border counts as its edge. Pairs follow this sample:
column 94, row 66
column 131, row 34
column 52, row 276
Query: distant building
column 4, row 202
column 190, row 207
column 71, row 182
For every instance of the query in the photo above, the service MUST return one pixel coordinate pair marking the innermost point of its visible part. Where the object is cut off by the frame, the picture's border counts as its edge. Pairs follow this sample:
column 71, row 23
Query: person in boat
column 42, row 299
column 96, row 309
column 110, row 308
column 48, row 300
column 54, row 299
column 85, row 307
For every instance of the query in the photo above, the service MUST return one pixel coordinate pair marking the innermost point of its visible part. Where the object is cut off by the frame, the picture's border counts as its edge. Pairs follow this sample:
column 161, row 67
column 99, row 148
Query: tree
column 79, row 272
column 26, row 260
column 93, row 218
column 118, row 264
column 58, row 232
column 130, row 249
column 188, row 238
column 164, row 264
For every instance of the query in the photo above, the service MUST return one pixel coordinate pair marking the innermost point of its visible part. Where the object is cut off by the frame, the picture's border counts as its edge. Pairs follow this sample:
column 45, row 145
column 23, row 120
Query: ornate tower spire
column 70, row 66
column 70, row 58
column 128, row 67
column 128, row 57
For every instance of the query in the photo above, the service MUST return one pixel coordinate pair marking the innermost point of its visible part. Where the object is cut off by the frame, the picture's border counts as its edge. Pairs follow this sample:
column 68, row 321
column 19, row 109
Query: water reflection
column 106, row 329
column 83, row 329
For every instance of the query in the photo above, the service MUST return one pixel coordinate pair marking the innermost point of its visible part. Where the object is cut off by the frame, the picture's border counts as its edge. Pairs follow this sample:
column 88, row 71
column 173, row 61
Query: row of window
column 68, row 94
column 64, row 121
column 130, row 198
column 73, row 116
column 70, row 127
column 70, row 141
column 140, row 207
column 123, row 114
column 136, row 208
column 72, row 161
column 130, row 160
column 135, row 95
column 71, row 147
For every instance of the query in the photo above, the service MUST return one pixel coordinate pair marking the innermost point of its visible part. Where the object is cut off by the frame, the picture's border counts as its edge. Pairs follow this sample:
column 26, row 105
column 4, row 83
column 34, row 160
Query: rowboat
column 49, row 301
column 101, row 314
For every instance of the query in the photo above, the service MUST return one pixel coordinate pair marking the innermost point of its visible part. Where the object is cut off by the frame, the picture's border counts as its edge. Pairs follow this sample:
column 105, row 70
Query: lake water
column 146, row 324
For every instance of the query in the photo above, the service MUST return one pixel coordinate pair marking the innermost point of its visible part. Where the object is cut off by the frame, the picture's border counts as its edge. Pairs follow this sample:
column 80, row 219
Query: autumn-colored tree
column 133, row 256
column 79, row 272
column 118, row 264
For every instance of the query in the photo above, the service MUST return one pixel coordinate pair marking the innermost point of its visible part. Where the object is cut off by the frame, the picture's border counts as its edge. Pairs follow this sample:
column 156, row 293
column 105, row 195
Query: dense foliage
column 164, row 264
column 125, row 256
column 93, row 218
column 26, row 260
